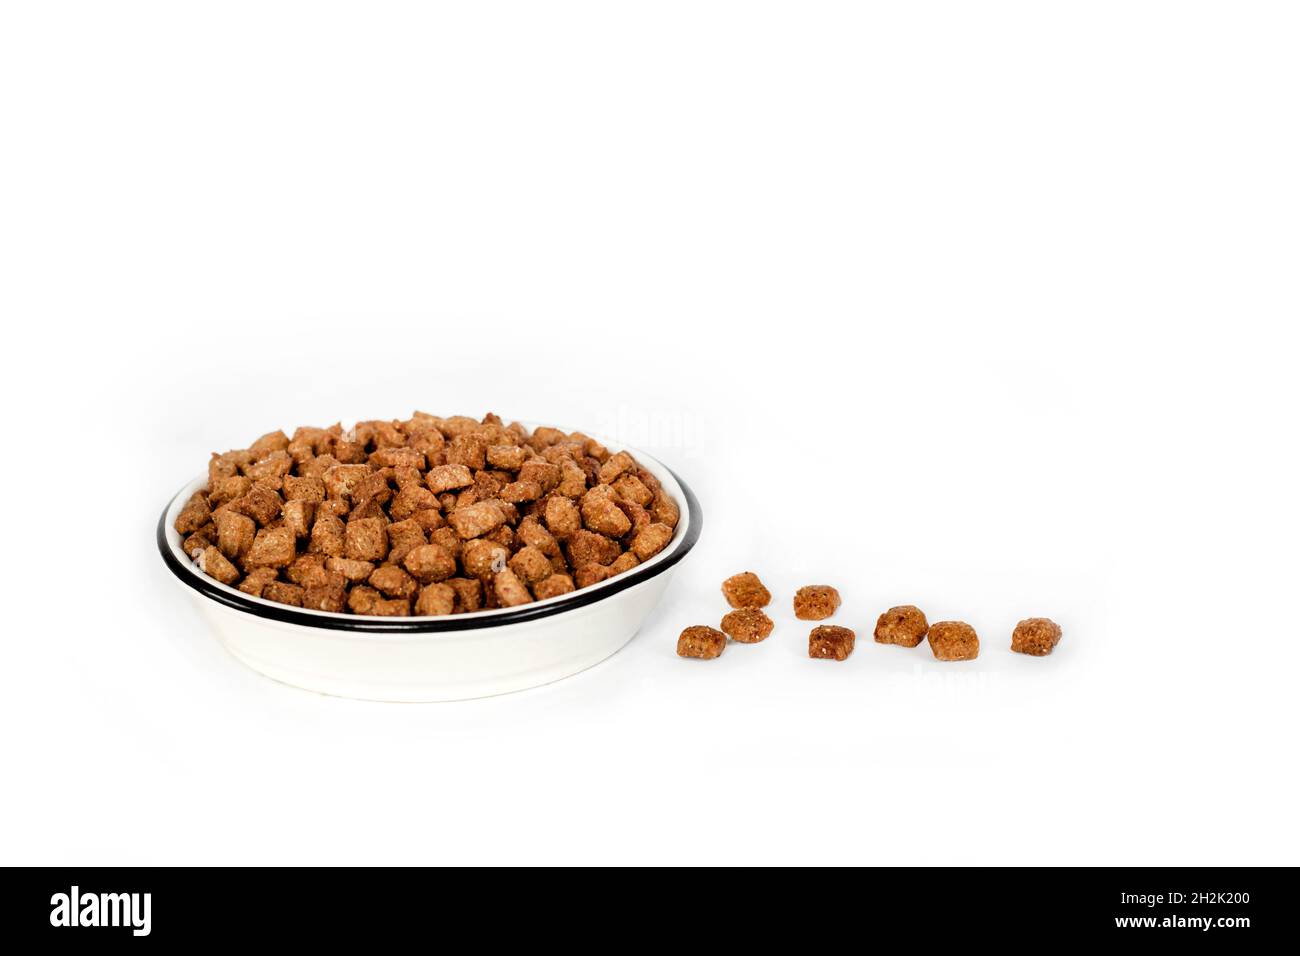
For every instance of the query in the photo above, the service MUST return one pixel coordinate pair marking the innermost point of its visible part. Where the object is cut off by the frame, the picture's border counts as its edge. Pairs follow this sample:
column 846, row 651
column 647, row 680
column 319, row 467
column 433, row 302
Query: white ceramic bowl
column 455, row 657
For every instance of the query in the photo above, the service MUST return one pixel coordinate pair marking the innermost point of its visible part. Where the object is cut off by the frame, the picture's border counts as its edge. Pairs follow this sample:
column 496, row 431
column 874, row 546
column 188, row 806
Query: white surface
column 416, row 667
column 990, row 308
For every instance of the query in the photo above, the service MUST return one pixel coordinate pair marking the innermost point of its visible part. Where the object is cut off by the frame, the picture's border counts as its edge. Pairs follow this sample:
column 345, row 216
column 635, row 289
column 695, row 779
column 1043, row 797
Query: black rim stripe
column 209, row 588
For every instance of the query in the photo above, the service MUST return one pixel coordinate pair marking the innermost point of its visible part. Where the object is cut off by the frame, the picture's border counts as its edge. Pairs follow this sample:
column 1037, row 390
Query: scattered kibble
column 954, row 641
column 700, row 641
column 904, row 625
column 816, row 602
column 830, row 642
column 747, row 625
column 1036, row 635
column 745, row 590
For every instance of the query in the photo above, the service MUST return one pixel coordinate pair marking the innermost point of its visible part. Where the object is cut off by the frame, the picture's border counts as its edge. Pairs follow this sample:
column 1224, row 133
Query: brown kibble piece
column 624, row 562
column 362, row 599
column 639, row 517
column 590, row 574
column 904, row 625
column 259, row 503
column 448, row 478
column 631, row 488
column 561, row 516
column 587, row 547
column 393, row 607
column 476, row 520
column 327, row 534
column 447, row 539
column 430, row 563
column 403, row 538
column 954, row 641
column 650, row 540
column 664, row 510
column 486, row 485
column 505, row 457
column 435, row 600
column 553, row 586
column 335, row 508
column 283, row 593
column 747, row 625
column 530, row 565
column 702, row 642
column 407, row 477
column 614, row 466
column 410, row 500
column 392, row 581
column 510, row 591
column 366, row 539
column 830, row 642
column 223, row 490
column 194, row 515
column 329, row 595
column 195, row 543
column 308, row 570
column 222, row 466
column 531, row 532
column 367, row 508
column 303, row 489
column 273, row 548
column 374, row 487
column 354, row 571
column 235, row 533
column 342, row 479
column 816, row 602
column 271, row 441
column 430, row 519
column 601, row 514
column 298, row 517
column 482, row 558
column 545, row 473
column 468, row 450
column 318, row 467
column 214, row 564
column 398, row 458
column 745, row 590
column 520, row 492
column 544, row 436
column 257, row 580
column 430, row 443
column 275, row 465
column 469, row 593
column 1036, row 636
column 573, row 480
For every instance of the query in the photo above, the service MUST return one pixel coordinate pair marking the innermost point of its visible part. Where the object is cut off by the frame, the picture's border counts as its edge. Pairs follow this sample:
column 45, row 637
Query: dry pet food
column 954, row 641
column 904, row 625
column 1036, row 636
column 747, row 625
column 816, row 602
column 425, row 516
column 745, row 590
column 830, row 642
column 700, row 641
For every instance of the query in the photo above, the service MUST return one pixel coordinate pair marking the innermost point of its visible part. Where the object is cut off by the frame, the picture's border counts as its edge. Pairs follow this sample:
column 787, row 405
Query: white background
column 985, row 307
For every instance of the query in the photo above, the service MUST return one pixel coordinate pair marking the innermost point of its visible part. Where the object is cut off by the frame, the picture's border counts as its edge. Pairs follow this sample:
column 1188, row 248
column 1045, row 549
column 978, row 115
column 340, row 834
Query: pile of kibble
column 424, row 516
column 905, row 626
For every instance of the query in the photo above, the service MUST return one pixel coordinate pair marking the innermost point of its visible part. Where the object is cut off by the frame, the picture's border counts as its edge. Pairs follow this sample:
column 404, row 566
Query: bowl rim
column 230, row 597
